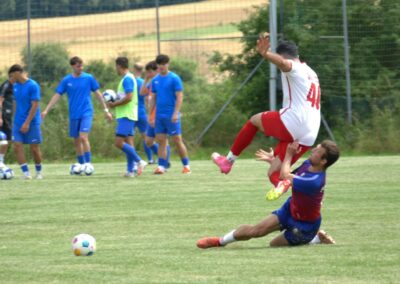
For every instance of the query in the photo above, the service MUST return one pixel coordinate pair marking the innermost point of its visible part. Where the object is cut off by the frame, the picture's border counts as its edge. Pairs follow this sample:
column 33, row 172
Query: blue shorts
column 296, row 232
column 150, row 131
column 77, row 126
column 141, row 124
column 33, row 136
column 125, row 127
column 166, row 126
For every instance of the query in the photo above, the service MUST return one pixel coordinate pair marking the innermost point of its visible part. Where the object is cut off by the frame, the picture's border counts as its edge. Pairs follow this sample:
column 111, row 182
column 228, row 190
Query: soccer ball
column 83, row 245
column 76, row 169
column 110, row 96
column 6, row 173
column 89, row 170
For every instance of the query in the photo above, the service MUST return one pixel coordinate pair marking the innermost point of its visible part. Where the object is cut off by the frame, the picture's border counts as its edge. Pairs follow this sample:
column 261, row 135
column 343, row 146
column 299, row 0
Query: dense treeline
column 17, row 9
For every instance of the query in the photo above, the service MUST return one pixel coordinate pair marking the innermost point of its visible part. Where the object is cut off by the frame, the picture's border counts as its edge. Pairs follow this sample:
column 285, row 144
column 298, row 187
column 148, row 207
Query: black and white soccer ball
column 88, row 169
column 110, row 96
column 6, row 173
column 76, row 169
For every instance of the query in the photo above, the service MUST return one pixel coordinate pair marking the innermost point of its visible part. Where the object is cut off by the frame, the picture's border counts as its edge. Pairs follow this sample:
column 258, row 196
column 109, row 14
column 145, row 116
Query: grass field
column 104, row 36
column 146, row 228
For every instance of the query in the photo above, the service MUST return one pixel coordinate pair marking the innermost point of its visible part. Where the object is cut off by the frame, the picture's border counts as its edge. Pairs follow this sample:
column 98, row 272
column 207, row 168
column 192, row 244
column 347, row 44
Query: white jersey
column 301, row 112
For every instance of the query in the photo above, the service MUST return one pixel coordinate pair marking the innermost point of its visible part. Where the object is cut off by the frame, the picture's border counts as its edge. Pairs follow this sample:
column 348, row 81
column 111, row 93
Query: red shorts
column 274, row 127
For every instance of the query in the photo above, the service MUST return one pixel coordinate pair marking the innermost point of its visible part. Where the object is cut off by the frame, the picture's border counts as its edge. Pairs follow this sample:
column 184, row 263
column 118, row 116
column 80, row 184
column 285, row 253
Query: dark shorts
column 141, row 124
column 7, row 126
column 296, row 232
column 166, row 126
column 150, row 132
column 125, row 127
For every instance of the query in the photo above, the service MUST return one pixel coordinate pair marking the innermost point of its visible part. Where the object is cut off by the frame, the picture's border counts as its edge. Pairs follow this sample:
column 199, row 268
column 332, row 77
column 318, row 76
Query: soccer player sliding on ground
column 299, row 119
column 299, row 218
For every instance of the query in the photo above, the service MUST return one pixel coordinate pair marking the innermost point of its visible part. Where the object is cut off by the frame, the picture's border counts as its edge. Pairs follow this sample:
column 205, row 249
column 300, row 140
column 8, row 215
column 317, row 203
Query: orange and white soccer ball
column 83, row 245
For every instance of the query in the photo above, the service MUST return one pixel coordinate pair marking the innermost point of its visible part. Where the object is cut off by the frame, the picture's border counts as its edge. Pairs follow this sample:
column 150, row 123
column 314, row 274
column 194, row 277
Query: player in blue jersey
column 299, row 218
column 79, row 85
column 26, row 127
column 126, row 113
column 167, row 98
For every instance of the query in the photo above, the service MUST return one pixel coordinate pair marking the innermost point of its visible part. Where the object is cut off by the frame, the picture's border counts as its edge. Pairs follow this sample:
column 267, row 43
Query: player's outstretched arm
column 99, row 97
column 263, row 47
column 54, row 99
column 262, row 155
column 1, row 110
column 291, row 151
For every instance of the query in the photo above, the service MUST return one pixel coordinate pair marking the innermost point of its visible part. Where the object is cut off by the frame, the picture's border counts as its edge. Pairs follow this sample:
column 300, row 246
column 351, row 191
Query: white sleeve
column 295, row 68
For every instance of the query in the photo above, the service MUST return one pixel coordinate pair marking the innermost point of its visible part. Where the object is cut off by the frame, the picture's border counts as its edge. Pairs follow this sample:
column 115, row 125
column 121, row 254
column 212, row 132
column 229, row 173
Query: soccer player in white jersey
column 298, row 120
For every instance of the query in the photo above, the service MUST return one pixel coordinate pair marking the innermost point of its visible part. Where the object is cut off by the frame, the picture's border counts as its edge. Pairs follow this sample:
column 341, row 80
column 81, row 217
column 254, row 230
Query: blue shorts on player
column 80, row 125
column 125, row 127
column 150, row 131
column 166, row 126
column 141, row 124
column 33, row 136
column 296, row 232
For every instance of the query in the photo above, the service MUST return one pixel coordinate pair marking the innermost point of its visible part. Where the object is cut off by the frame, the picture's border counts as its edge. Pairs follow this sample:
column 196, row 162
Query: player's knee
column 256, row 119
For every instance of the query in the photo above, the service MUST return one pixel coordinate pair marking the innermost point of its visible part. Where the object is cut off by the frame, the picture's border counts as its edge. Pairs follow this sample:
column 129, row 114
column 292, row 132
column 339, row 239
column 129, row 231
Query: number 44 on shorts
column 314, row 95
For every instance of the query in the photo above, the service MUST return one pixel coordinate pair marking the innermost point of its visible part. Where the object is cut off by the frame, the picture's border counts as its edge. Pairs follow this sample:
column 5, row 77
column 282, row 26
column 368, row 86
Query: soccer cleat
column 276, row 192
column 222, row 162
column 39, row 176
column 129, row 175
column 151, row 162
column 141, row 165
column 2, row 165
column 159, row 171
column 325, row 238
column 186, row 170
column 26, row 177
column 208, row 242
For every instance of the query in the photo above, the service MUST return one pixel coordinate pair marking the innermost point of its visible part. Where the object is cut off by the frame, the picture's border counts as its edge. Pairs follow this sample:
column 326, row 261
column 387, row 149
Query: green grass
column 146, row 228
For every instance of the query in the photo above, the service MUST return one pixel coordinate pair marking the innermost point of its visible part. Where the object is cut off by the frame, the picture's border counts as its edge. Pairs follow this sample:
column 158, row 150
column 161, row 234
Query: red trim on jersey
column 290, row 96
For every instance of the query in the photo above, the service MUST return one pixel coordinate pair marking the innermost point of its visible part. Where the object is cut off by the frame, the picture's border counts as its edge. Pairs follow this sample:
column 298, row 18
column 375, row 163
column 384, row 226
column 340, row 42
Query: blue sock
column 148, row 152
column 25, row 168
column 162, row 162
column 129, row 163
column 38, row 168
column 185, row 161
column 154, row 148
column 81, row 159
column 129, row 150
column 88, row 157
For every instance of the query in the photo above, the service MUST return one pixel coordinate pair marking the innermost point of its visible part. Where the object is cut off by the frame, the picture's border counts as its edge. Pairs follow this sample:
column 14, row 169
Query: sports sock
column 231, row 157
column 38, row 168
column 168, row 153
column 25, row 169
column 1, row 158
column 227, row 239
column 244, row 138
column 162, row 162
column 80, row 159
column 88, row 157
column 130, row 150
column 274, row 178
column 185, row 161
column 154, row 148
column 148, row 152
column 315, row 240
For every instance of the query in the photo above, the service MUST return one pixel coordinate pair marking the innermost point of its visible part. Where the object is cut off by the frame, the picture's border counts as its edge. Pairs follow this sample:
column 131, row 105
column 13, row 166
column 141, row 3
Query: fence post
column 28, row 10
column 347, row 61
column 158, row 26
column 272, row 67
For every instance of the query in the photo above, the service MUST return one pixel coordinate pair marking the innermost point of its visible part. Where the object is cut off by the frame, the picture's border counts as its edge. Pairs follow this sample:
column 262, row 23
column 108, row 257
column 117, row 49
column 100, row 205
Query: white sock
column 1, row 158
column 315, row 240
column 27, row 174
column 227, row 239
column 231, row 157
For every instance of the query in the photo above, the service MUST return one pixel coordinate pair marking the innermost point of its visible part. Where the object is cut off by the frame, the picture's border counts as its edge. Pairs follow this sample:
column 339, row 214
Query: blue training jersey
column 307, row 193
column 165, row 87
column 79, row 91
column 24, row 94
column 141, row 102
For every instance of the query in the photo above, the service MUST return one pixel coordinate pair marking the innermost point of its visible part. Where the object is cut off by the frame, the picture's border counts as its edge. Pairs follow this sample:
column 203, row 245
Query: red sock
column 244, row 138
column 274, row 178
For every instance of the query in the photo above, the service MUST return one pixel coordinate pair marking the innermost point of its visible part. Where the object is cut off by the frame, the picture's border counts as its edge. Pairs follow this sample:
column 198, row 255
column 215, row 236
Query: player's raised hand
column 293, row 148
column 262, row 155
column 263, row 44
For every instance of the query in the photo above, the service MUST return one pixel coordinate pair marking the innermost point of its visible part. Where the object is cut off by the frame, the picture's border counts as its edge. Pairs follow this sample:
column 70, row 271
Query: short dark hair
column 162, row 59
column 122, row 61
column 75, row 60
column 15, row 68
column 332, row 152
column 138, row 67
column 152, row 65
column 287, row 48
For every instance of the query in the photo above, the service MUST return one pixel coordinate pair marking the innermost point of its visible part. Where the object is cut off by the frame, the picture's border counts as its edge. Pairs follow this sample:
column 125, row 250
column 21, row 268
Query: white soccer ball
column 76, row 169
column 110, row 96
column 83, row 245
column 6, row 173
column 89, row 170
